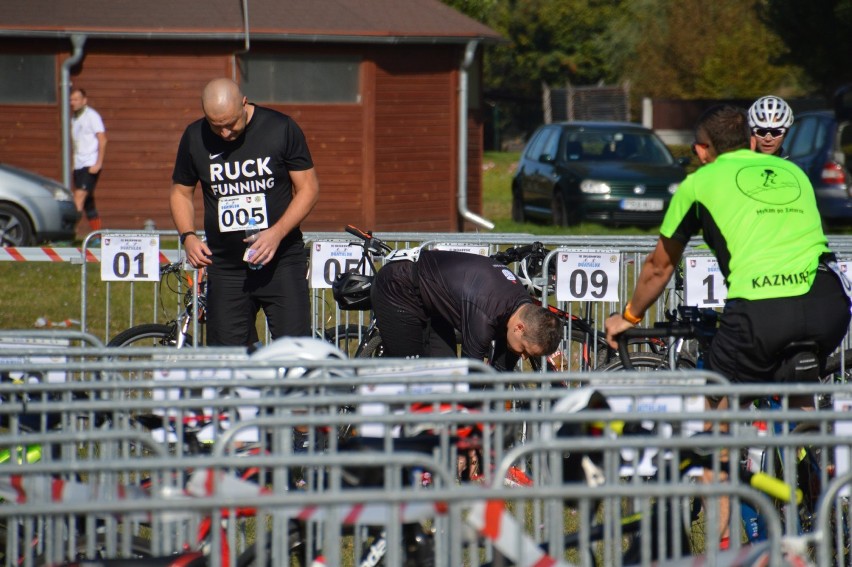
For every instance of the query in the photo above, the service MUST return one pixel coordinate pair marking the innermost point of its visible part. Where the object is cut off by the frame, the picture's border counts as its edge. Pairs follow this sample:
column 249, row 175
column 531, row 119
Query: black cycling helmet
column 351, row 291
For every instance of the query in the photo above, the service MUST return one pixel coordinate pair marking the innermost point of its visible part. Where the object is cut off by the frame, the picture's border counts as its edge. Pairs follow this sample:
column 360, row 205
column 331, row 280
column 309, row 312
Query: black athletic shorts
column 753, row 334
column 235, row 296
column 407, row 330
column 84, row 180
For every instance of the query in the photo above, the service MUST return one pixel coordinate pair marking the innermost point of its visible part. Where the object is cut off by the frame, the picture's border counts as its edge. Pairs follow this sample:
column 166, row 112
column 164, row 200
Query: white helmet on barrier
column 770, row 112
column 288, row 352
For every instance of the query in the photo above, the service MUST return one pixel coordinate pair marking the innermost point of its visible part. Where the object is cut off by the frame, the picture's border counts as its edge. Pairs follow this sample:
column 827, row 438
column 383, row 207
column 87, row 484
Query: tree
column 817, row 37
column 695, row 49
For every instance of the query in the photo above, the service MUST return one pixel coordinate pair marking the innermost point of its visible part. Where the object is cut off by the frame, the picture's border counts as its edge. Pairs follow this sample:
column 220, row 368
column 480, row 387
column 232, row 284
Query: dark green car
column 615, row 172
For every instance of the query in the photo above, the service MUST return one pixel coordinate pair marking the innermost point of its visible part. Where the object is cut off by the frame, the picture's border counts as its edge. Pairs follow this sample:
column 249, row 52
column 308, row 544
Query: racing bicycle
column 177, row 333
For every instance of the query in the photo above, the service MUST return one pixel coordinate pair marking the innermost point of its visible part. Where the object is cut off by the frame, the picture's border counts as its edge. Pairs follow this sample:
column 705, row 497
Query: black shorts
column 235, row 296
column 753, row 334
column 407, row 330
column 84, row 180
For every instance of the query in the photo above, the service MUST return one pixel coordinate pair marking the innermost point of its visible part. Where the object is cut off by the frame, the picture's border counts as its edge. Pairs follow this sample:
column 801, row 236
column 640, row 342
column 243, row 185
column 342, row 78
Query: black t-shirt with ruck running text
column 242, row 179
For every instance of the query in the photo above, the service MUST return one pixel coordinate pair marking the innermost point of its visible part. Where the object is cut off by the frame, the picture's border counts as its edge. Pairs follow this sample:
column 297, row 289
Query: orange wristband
column 629, row 316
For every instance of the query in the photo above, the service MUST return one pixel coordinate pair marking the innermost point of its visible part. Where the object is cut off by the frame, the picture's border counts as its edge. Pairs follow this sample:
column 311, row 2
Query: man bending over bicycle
column 419, row 305
column 759, row 215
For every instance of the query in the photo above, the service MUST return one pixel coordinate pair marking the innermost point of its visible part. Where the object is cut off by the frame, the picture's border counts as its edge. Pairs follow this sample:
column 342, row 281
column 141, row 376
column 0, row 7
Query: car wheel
column 15, row 226
column 562, row 214
column 518, row 214
column 557, row 209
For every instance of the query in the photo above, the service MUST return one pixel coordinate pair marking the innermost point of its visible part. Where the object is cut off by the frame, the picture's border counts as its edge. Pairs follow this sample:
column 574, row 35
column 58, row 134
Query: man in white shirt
column 89, row 138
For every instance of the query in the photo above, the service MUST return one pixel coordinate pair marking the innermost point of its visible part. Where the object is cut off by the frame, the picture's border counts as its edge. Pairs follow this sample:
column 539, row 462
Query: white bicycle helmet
column 770, row 112
column 530, row 274
column 288, row 352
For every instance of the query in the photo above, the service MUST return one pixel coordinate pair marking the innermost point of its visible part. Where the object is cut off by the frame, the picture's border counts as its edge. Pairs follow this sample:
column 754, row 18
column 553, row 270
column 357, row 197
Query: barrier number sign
column 587, row 276
column 130, row 257
column 329, row 259
column 703, row 283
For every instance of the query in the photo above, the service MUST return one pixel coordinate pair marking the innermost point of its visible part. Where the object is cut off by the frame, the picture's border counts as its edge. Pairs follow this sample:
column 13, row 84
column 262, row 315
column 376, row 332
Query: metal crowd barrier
column 76, row 447
column 326, row 316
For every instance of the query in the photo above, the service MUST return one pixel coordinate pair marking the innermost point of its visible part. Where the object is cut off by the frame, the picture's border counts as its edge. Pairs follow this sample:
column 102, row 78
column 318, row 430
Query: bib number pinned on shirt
column 236, row 212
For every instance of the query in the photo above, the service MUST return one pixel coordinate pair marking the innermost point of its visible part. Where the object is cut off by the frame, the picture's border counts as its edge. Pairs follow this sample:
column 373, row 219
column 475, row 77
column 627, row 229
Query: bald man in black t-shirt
column 254, row 166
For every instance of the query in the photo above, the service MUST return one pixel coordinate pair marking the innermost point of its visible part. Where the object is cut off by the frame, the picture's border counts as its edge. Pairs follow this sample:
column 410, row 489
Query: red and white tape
column 51, row 254
column 495, row 523
column 47, row 254
column 206, row 482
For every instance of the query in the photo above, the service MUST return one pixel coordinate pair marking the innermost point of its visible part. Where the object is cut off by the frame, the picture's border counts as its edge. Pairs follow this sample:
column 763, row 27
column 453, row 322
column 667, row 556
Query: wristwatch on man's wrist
column 185, row 235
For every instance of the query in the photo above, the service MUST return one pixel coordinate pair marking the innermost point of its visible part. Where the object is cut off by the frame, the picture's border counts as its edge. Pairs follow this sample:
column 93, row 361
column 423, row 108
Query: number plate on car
column 642, row 204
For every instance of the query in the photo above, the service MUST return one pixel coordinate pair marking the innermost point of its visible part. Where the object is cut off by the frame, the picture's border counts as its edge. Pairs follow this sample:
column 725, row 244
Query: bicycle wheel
column 346, row 337
column 643, row 361
column 148, row 335
column 584, row 351
column 373, row 348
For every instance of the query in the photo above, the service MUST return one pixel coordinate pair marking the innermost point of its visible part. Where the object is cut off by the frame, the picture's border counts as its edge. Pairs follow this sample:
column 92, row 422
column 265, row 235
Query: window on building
column 27, row 79
column 300, row 78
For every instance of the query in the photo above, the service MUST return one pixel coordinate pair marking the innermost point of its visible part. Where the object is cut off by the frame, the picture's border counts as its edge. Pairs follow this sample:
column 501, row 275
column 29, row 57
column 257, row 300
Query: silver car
column 34, row 208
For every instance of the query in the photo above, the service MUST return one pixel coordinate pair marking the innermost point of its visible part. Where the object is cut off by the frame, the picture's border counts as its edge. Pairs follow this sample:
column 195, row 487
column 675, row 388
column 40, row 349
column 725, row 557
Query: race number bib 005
column 236, row 212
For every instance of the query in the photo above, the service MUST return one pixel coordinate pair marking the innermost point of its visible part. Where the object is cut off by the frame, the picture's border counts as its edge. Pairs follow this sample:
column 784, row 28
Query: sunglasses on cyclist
column 763, row 132
column 696, row 145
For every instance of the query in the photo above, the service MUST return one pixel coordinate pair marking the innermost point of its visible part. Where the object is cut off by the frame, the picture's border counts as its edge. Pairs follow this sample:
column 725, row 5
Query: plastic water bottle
column 251, row 234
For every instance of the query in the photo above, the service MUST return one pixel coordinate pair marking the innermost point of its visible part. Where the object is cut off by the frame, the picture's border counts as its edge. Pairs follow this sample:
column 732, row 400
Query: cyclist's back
column 759, row 215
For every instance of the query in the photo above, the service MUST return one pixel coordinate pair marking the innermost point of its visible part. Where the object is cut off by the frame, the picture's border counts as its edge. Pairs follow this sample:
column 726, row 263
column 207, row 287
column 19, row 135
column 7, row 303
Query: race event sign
column 480, row 249
column 130, row 257
column 588, row 276
column 703, row 283
column 329, row 259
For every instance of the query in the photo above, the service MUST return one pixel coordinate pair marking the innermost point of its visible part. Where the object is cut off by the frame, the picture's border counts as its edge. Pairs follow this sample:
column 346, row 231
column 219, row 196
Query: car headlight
column 596, row 187
column 59, row 192
column 673, row 187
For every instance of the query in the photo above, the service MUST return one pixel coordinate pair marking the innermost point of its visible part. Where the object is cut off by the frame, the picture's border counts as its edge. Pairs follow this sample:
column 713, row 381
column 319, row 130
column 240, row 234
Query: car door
column 807, row 145
column 542, row 181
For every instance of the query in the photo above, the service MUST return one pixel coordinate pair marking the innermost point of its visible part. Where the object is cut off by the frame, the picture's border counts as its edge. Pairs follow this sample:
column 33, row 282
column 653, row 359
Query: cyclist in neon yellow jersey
column 759, row 215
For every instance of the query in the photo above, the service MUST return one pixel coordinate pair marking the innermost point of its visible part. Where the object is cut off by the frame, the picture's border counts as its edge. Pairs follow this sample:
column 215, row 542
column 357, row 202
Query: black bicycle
column 177, row 332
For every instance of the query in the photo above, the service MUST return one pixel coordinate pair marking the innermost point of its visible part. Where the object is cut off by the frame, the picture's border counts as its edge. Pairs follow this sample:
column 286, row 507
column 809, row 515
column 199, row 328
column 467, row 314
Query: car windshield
column 615, row 145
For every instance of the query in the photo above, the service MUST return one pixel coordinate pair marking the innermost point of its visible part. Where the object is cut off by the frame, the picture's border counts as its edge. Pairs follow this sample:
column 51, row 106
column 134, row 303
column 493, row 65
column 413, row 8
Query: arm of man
column 102, row 142
column 183, row 215
column 656, row 271
column 305, row 197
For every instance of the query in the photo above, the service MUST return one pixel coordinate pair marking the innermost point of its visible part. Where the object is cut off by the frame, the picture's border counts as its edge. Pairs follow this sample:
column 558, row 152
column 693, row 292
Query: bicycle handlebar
column 371, row 243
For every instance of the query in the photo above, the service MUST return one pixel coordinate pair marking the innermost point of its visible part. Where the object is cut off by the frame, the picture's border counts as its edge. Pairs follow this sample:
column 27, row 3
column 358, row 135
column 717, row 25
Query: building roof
column 414, row 21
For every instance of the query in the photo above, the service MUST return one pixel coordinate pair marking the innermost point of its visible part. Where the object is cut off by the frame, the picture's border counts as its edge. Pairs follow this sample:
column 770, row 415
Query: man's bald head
column 224, row 106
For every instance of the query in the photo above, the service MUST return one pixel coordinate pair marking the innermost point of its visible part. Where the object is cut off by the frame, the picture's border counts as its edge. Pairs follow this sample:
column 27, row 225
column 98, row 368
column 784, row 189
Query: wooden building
column 380, row 87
